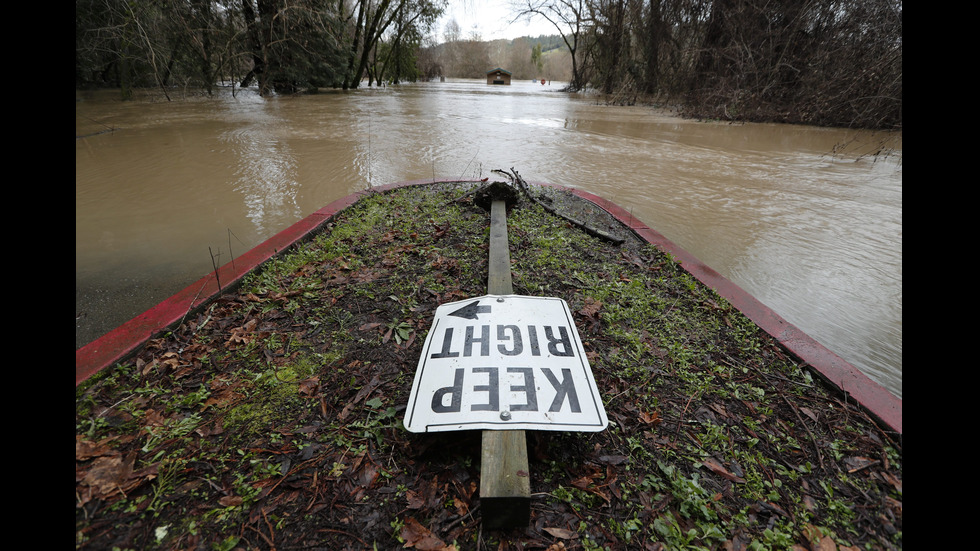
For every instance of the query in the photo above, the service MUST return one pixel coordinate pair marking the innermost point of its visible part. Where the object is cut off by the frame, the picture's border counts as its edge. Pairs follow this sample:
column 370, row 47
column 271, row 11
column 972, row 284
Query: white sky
column 492, row 18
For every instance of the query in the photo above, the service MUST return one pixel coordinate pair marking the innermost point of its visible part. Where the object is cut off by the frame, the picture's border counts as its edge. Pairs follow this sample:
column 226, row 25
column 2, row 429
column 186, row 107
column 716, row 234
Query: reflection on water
column 798, row 216
column 265, row 173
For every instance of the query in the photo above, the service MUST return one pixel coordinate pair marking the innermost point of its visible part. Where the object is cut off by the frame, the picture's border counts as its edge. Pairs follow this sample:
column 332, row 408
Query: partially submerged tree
column 283, row 46
column 294, row 44
column 373, row 19
column 395, row 56
column 816, row 62
column 819, row 62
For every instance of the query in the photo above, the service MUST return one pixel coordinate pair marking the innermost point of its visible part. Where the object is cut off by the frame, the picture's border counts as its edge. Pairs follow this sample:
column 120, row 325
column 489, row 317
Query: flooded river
column 803, row 218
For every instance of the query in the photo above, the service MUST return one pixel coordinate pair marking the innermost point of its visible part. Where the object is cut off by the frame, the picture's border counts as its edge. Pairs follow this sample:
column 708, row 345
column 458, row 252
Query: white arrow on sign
column 504, row 362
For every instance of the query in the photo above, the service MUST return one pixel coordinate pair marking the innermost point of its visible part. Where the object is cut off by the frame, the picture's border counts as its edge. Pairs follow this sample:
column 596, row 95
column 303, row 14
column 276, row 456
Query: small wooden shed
column 498, row 76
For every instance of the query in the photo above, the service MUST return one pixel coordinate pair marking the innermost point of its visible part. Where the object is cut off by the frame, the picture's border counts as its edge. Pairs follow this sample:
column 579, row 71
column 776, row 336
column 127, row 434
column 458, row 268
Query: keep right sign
column 504, row 362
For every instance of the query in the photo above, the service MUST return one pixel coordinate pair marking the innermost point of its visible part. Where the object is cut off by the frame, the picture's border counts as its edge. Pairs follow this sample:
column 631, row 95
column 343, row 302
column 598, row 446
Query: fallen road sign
column 504, row 362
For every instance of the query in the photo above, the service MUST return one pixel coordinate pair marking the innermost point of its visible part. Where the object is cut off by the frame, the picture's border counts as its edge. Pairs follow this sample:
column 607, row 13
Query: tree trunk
column 349, row 80
column 254, row 40
column 205, row 23
column 267, row 14
column 371, row 36
column 653, row 38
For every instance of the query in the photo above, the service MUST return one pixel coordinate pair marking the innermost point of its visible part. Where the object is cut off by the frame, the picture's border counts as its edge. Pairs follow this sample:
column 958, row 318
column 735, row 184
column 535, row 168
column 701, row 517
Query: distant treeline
column 822, row 62
column 547, row 42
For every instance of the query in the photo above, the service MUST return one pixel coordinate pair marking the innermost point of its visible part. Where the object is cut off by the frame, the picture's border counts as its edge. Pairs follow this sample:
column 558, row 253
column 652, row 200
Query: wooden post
column 505, row 484
column 498, row 282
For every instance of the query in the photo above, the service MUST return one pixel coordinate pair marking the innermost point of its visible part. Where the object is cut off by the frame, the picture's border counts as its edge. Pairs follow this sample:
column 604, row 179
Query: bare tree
column 452, row 35
column 572, row 19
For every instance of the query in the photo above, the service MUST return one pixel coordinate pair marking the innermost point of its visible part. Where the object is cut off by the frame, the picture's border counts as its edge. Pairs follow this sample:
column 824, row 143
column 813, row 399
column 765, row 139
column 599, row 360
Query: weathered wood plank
column 499, row 282
column 505, row 483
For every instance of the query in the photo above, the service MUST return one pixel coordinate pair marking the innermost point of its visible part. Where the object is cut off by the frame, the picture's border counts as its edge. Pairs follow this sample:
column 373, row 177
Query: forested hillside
column 526, row 58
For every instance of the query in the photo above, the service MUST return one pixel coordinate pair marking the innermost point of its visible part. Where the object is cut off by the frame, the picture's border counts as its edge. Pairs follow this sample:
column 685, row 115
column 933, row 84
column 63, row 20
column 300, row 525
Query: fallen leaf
column 368, row 475
column 170, row 359
column 650, row 418
column 440, row 230
column 562, row 533
column 414, row 500
column 411, row 339
column 243, row 334
column 461, row 507
column 818, row 541
column 308, row 387
column 419, row 537
column 210, row 429
column 591, row 307
column 611, row 479
column 717, row 468
column 893, row 480
column 109, row 474
column 230, row 501
column 86, row 449
column 221, row 396
column 719, row 409
column 582, row 483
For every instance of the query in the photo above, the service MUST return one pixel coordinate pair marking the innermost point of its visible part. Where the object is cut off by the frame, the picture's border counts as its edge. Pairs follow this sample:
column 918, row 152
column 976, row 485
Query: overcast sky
column 491, row 18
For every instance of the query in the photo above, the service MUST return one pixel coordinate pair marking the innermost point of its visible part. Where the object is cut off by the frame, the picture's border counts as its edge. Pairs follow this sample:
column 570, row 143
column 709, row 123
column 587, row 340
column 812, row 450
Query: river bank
column 271, row 417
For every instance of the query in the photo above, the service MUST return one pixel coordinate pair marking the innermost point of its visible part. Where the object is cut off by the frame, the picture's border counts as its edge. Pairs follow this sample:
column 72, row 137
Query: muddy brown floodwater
column 806, row 219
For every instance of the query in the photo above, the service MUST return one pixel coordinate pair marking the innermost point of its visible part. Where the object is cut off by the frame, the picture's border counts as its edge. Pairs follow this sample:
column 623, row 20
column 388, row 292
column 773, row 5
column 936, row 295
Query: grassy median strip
column 273, row 417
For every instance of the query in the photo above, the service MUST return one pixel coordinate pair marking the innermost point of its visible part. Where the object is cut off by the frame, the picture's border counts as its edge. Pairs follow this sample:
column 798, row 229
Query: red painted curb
column 124, row 340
